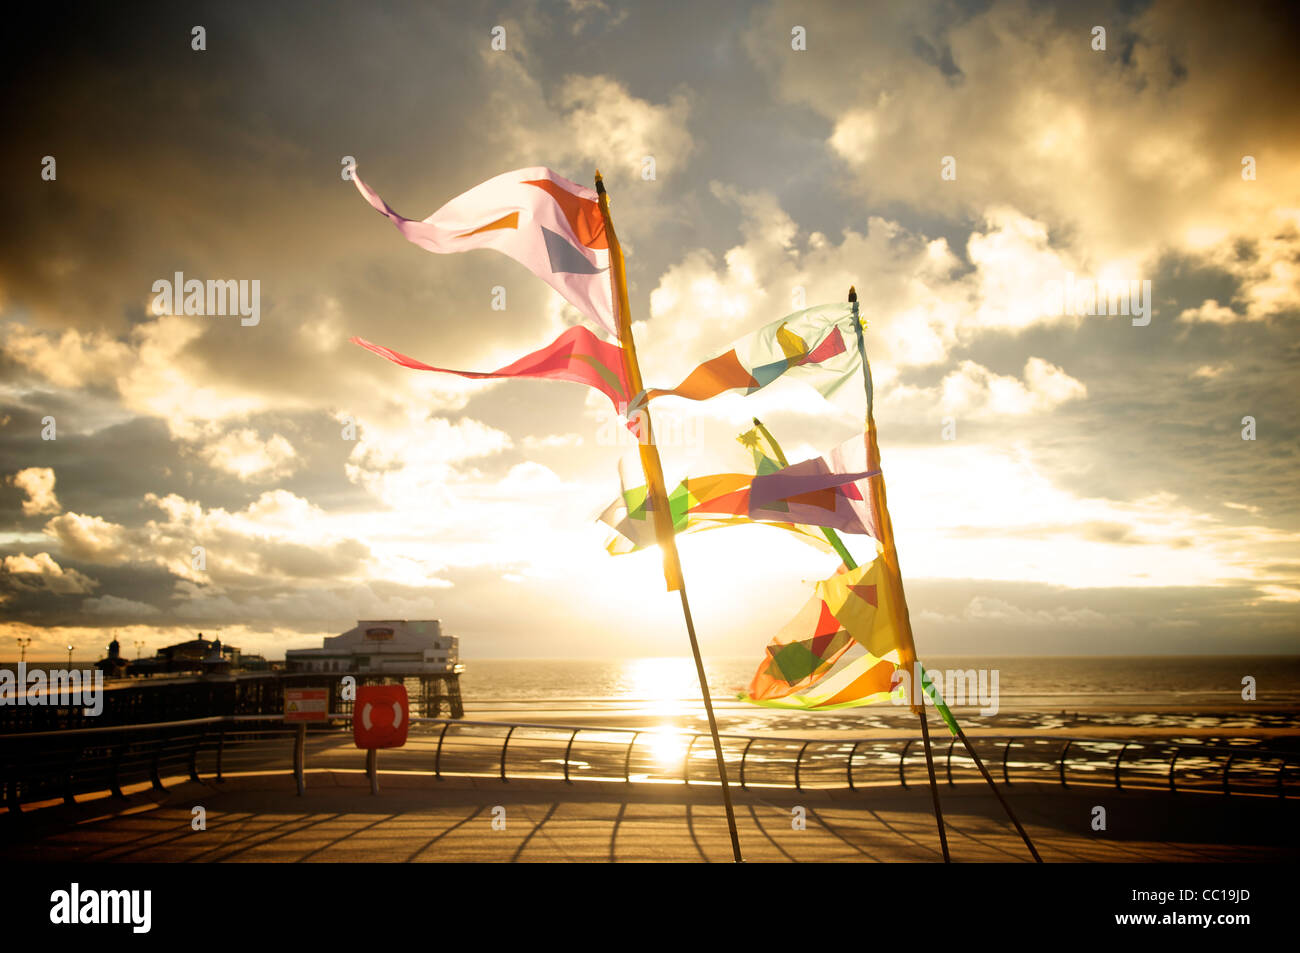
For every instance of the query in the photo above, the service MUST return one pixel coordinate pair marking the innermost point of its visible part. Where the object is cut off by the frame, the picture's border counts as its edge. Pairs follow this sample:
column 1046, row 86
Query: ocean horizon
column 1026, row 680
column 1046, row 681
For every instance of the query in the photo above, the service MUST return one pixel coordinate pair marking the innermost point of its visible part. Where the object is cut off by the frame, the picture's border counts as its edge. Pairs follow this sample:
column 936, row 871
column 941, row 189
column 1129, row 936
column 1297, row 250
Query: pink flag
column 548, row 224
column 576, row 355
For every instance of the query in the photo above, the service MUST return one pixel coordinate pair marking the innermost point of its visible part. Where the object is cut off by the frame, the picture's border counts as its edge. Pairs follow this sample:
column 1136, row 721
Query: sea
column 1228, row 694
column 1231, row 694
column 1038, row 682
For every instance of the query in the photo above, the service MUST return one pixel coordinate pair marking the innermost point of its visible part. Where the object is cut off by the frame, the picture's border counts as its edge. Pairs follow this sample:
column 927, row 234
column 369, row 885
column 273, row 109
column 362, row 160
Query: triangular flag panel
column 550, row 225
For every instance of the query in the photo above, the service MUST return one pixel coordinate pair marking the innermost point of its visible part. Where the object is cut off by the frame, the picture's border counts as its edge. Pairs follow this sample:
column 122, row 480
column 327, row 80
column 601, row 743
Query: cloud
column 973, row 391
column 1213, row 312
column 38, row 484
column 962, row 510
column 600, row 118
column 115, row 606
column 1281, row 593
column 154, row 372
column 585, row 12
column 89, row 538
column 408, row 463
column 589, row 121
column 247, row 456
column 920, row 303
column 278, row 536
column 552, row 441
column 997, row 88
column 73, row 359
column 41, row 572
column 1003, row 613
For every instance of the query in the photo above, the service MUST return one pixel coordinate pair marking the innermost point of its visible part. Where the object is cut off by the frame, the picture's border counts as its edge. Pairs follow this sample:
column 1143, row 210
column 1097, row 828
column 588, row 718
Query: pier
column 139, row 701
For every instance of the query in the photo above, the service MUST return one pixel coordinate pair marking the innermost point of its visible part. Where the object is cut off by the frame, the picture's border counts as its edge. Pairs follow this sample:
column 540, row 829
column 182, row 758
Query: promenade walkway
column 415, row 818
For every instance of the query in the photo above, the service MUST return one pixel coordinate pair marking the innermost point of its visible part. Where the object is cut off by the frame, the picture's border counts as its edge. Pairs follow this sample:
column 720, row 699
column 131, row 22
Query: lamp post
column 139, row 644
column 22, row 648
column 69, row 655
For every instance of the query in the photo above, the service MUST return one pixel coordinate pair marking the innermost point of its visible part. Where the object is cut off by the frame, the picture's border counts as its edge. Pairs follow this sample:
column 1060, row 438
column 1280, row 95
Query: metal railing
column 62, row 764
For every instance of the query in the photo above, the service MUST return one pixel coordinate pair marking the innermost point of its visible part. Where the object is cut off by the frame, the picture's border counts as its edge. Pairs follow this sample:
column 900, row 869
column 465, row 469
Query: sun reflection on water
column 668, row 686
column 669, row 689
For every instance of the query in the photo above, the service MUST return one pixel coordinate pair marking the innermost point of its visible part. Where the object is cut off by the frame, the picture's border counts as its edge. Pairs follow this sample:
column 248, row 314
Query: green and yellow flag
column 811, row 663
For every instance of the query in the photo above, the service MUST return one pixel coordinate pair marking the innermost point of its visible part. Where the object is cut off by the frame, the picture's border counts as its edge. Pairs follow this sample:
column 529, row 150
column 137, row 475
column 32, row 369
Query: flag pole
column 657, row 497
column 948, row 717
column 907, row 647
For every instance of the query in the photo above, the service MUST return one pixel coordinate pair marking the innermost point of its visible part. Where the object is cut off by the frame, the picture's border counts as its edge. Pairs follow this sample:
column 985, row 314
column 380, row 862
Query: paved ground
column 415, row 818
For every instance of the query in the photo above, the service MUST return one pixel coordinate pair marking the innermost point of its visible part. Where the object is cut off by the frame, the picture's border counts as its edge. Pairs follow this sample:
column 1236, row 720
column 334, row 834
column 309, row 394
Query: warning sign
column 305, row 704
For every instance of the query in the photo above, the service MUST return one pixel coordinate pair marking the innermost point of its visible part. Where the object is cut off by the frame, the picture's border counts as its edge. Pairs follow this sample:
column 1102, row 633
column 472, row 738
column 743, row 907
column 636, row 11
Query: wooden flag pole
column 907, row 647
column 657, row 497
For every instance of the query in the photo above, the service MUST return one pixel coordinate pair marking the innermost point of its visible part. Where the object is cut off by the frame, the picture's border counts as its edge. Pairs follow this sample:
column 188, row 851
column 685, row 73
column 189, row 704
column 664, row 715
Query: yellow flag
column 863, row 602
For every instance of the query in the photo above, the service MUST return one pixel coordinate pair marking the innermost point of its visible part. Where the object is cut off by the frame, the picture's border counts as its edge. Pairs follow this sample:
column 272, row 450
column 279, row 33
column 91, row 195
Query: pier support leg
column 456, row 708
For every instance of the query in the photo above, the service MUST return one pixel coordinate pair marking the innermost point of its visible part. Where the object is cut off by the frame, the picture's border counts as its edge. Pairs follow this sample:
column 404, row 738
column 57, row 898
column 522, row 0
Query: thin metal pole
column 568, row 750
column 998, row 794
column 934, row 787
column 743, row 755
column 299, row 755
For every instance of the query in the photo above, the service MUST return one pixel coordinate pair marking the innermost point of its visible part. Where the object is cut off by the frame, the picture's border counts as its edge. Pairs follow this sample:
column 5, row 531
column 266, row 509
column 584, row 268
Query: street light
column 69, row 655
column 22, row 645
column 139, row 644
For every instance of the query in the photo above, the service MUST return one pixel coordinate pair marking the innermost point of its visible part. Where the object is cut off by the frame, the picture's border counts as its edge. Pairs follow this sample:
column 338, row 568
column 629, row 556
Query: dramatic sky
column 1097, row 495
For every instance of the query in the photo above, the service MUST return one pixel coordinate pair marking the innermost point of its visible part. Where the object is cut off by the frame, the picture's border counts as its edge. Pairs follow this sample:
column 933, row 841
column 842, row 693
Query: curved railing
column 50, row 765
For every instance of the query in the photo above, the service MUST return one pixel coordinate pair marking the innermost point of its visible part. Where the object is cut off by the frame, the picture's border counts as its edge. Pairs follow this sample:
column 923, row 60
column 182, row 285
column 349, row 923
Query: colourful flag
column 852, row 683
column 830, row 491
column 576, row 355
column 726, row 499
column 809, row 664
column 550, row 225
column 634, row 531
column 814, row 341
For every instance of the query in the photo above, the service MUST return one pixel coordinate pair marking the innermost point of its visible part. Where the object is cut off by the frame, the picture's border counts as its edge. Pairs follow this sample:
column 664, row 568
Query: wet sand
column 1205, row 723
